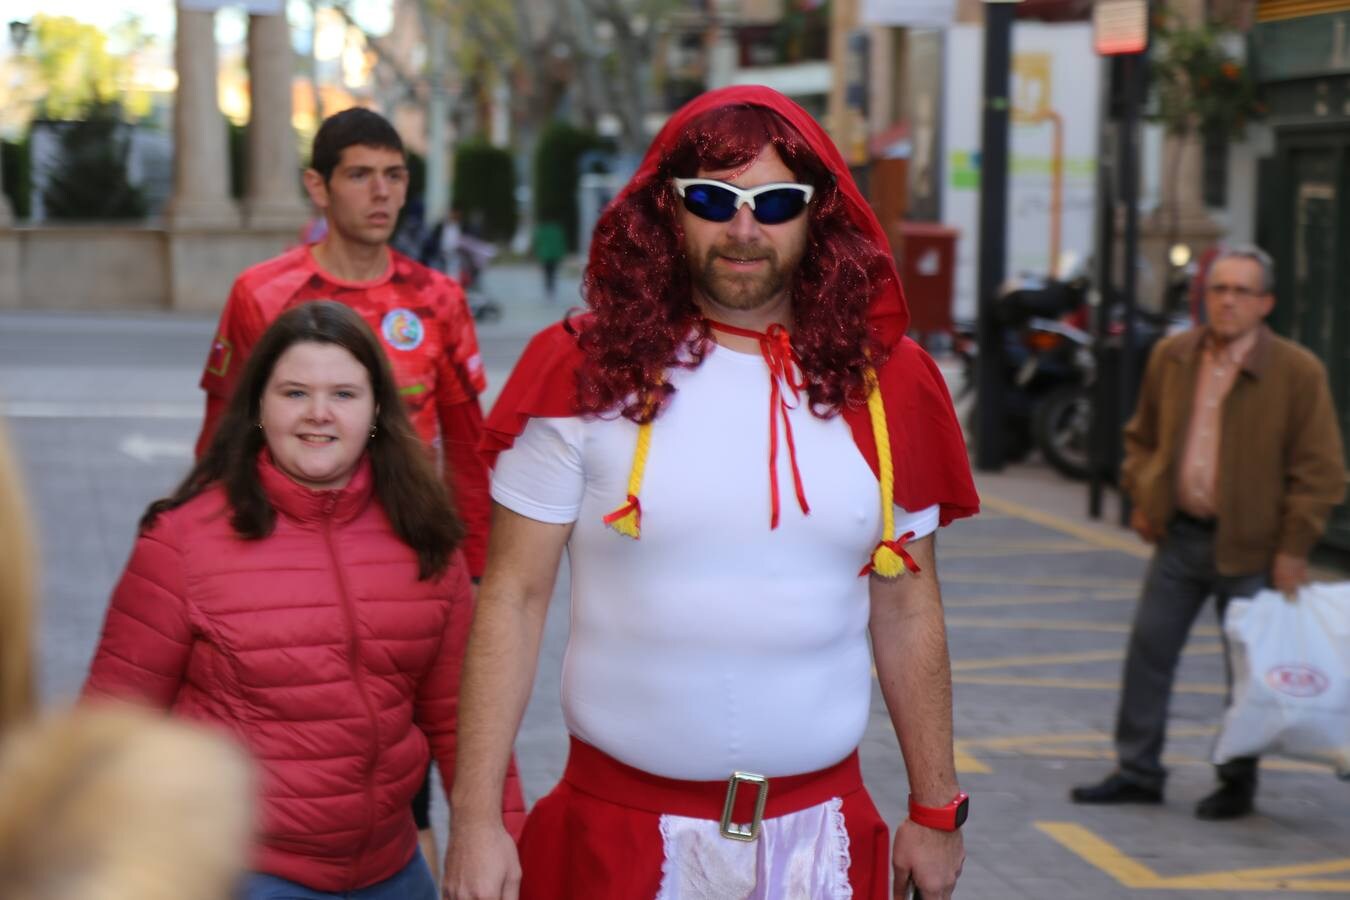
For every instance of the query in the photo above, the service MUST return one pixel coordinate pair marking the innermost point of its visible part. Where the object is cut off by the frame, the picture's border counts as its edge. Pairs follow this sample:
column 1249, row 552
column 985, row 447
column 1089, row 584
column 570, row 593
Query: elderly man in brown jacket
column 1233, row 461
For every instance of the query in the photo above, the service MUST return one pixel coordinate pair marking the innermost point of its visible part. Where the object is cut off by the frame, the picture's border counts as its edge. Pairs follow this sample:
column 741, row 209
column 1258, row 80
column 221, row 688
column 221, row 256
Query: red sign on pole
column 1120, row 26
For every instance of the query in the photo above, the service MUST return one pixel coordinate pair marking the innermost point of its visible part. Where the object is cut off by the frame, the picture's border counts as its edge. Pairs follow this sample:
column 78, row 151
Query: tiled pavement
column 1039, row 601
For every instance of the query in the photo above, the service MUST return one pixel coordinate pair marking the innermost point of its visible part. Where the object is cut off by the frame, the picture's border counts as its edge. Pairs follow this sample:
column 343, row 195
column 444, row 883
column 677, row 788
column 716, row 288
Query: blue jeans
column 412, row 882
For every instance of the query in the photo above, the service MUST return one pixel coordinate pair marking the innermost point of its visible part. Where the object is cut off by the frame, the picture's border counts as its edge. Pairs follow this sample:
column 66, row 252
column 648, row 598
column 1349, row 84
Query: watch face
column 962, row 810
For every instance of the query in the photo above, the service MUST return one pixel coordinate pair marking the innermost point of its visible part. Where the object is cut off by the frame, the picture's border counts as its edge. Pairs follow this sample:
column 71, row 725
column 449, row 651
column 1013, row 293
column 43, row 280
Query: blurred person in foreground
column 103, row 804
column 1233, row 462
column 303, row 590
column 16, row 596
column 358, row 180
column 744, row 310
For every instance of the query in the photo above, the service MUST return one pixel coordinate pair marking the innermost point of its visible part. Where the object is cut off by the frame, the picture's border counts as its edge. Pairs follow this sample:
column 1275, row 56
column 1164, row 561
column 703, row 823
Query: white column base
column 274, row 212
column 200, row 213
column 11, row 281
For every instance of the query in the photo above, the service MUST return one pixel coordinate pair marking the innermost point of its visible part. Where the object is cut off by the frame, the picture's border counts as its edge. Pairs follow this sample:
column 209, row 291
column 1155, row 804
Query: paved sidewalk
column 103, row 410
column 1039, row 600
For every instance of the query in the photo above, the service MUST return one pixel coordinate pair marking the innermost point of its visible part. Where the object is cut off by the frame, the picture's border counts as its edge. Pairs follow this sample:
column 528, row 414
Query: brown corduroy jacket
column 1281, row 466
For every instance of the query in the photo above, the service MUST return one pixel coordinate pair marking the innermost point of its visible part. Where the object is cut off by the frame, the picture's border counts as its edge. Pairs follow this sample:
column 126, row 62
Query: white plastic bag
column 1291, row 677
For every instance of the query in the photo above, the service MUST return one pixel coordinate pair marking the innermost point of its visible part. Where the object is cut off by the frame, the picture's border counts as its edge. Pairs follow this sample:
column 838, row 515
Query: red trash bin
column 927, row 263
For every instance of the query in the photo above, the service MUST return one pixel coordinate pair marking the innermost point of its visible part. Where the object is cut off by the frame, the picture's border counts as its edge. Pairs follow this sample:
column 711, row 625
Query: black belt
column 1195, row 522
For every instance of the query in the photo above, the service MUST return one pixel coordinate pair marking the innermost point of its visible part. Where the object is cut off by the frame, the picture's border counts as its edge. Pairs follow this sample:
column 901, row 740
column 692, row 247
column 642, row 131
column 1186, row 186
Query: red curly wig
column 643, row 320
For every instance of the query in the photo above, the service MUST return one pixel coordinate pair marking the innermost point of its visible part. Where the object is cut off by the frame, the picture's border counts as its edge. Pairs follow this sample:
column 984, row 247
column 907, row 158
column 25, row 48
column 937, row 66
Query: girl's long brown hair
column 414, row 498
column 16, row 597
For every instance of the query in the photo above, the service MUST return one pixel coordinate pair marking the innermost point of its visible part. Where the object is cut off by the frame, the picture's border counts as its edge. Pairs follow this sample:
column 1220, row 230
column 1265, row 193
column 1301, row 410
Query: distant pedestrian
column 303, row 589
column 1233, row 461
column 550, row 246
column 440, row 248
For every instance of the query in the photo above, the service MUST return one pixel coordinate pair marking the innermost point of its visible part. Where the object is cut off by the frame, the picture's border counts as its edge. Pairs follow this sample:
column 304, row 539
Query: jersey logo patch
column 218, row 363
column 403, row 329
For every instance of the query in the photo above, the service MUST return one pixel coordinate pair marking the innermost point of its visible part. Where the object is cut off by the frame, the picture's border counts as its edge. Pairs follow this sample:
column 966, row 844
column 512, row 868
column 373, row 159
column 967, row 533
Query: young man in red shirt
column 358, row 180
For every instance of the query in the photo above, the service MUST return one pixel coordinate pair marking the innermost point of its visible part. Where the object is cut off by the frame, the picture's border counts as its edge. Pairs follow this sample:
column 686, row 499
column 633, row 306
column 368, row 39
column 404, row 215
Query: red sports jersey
column 425, row 326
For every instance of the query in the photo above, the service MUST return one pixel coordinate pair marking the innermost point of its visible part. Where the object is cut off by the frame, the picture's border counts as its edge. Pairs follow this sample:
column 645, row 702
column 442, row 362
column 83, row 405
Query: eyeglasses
column 717, row 201
column 1241, row 292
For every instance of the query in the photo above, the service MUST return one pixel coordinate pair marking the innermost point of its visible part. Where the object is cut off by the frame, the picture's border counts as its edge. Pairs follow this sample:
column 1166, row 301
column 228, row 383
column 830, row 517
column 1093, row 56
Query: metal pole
column 1103, row 425
column 998, row 18
column 438, row 110
column 1132, row 65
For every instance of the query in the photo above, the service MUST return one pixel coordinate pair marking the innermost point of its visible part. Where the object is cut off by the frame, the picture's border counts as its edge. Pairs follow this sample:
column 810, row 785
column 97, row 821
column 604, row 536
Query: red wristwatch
column 943, row 818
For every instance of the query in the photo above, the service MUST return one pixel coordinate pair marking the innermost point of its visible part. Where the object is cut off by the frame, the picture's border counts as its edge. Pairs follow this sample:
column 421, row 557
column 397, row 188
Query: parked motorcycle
column 1047, row 370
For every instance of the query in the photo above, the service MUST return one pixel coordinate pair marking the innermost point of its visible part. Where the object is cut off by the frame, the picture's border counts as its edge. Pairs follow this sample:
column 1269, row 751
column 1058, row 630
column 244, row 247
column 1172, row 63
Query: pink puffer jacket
column 319, row 649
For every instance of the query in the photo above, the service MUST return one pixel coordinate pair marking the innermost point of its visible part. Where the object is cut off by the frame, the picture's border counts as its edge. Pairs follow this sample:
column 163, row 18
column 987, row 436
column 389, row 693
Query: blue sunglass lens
column 710, row 202
column 775, row 207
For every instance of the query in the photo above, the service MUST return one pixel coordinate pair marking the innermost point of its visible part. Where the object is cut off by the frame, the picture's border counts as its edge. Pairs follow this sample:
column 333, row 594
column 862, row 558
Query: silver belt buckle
column 744, row 832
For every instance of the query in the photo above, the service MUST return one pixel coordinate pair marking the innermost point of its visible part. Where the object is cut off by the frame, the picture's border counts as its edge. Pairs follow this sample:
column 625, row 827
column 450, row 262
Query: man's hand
column 481, row 863
column 1289, row 574
column 1139, row 522
column 928, row 858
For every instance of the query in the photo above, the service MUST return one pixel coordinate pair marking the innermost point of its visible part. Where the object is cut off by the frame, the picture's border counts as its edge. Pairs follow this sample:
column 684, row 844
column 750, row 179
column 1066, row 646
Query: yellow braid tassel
column 627, row 519
column 885, row 561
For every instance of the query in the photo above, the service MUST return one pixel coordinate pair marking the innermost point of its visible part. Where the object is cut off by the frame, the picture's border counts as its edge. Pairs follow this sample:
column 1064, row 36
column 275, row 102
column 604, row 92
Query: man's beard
column 742, row 290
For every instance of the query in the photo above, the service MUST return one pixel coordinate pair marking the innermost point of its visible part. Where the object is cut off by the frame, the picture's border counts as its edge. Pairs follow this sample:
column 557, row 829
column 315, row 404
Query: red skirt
column 597, row 834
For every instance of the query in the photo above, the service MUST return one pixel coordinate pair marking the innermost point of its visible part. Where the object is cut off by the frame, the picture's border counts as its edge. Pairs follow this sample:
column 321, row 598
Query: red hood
column 889, row 314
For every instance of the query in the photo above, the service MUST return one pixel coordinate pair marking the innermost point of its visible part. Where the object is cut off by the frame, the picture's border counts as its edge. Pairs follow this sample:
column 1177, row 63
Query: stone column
column 201, row 180
column 272, row 199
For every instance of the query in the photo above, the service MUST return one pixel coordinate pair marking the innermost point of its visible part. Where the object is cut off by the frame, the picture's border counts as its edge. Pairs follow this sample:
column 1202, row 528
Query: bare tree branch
column 411, row 83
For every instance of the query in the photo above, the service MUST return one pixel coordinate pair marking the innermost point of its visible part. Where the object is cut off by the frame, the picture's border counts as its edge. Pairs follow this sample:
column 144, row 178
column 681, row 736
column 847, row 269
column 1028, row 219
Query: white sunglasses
column 717, row 201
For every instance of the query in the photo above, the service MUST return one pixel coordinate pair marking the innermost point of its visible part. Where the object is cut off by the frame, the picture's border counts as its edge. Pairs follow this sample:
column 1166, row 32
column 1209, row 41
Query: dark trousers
column 1180, row 579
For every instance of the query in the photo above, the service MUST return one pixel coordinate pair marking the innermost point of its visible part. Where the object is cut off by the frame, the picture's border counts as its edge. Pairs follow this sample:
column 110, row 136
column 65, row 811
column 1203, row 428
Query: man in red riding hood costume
column 745, row 460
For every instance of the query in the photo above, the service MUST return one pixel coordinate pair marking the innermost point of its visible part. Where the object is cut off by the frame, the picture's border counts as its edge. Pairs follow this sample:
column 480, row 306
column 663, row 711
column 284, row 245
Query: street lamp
column 18, row 34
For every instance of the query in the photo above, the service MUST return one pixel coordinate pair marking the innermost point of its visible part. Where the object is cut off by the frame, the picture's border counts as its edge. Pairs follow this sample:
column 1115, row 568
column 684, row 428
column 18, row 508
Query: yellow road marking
column 1131, row 873
column 1012, row 544
column 1045, row 659
column 1089, row 582
column 1074, row 737
column 1058, row 625
column 1055, row 549
column 967, row 764
column 1062, row 659
column 1040, row 600
column 1066, row 746
column 1127, row 544
column 1099, row 853
column 1074, row 684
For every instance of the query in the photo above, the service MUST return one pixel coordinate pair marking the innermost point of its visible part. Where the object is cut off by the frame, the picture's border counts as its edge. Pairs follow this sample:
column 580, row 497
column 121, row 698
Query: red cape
column 931, row 465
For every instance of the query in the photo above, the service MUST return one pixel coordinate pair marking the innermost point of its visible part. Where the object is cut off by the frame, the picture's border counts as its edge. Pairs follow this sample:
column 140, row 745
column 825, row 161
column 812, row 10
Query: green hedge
column 556, row 174
column 91, row 181
column 16, row 173
column 485, row 190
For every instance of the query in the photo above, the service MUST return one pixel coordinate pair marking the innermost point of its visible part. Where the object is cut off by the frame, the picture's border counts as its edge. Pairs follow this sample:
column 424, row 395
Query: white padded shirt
column 712, row 644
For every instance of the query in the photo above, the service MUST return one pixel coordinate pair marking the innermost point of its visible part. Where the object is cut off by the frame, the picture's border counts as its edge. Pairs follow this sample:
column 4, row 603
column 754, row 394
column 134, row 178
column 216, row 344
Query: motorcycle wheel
column 1063, row 429
column 1017, row 438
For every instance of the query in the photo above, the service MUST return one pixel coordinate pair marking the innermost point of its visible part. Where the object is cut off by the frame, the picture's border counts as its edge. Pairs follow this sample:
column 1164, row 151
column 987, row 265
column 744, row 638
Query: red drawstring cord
column 775, row 345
